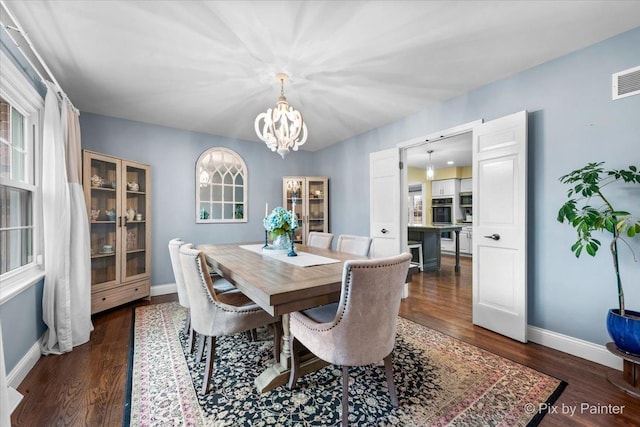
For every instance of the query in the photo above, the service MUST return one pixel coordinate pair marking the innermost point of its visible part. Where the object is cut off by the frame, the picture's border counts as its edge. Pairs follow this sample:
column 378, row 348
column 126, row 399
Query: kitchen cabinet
column 466, row 185
column 118, row 197
column 445, row 187
column 466, row 240
column 449, row 245
column 310, row 195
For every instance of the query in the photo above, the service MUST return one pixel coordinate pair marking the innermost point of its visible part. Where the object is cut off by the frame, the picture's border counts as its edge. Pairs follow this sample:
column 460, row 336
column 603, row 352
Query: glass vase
column 281, row 241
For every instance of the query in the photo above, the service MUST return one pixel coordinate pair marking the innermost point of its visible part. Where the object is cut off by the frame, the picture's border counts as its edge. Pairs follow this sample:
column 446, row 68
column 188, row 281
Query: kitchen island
column 429, row 235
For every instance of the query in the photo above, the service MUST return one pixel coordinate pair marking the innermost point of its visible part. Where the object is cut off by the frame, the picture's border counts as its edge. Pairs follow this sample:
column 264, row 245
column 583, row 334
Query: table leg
column 438, row 253
column 278, row 373
column 457, row 269
column 285, row 354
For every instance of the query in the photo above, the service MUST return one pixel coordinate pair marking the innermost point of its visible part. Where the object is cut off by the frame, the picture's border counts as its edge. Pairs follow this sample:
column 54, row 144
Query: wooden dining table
column 280, row 288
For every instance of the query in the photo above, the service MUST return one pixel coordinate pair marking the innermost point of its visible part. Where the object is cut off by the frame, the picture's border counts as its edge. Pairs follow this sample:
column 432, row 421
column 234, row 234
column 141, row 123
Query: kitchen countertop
column 435, row 227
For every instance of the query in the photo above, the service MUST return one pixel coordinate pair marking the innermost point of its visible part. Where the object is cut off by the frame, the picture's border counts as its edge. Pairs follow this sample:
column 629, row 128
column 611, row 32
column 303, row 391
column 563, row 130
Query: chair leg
column 208, row 369
column 193, row 336
column 200, row 351
column 187, row 322
column 388, row 370
column 345, row 396
column 251, row 334
column 294, row 373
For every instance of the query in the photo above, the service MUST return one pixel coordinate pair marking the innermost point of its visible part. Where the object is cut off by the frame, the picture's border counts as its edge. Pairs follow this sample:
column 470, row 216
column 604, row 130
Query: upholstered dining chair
column 221, row 285
column 358, row 330
column 216, row 314
column 319, row 240
column 357, row 245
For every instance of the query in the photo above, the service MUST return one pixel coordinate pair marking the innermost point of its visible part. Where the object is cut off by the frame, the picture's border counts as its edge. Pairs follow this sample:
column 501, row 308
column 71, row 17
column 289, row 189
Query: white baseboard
column 14, row 398
column 574, row 346
column 169, row 288
column 28, row 361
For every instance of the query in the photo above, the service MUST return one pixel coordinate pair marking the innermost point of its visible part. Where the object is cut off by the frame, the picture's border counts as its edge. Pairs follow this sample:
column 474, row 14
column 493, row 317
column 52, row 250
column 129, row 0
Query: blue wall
column 572, row 121
column 172, row 155
column 22, row 324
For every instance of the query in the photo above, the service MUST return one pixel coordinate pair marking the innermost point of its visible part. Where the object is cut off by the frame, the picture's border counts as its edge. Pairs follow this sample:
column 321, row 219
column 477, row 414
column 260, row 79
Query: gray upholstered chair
column 221, row 285
column 357, row 245
column 319, row 240
column 216, row 314
column 358, row 330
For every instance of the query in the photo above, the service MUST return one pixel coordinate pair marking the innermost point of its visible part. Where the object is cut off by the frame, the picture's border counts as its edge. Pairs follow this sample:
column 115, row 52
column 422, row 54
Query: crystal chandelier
column 282, row 128
column 430, row 171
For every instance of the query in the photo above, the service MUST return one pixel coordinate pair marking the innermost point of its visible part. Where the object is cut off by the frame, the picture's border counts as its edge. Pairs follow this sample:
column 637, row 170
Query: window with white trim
column 221, row 186
column 20, row 192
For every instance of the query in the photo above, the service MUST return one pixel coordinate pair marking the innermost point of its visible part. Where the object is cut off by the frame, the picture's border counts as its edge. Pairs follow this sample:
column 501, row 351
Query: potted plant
column 588, row 210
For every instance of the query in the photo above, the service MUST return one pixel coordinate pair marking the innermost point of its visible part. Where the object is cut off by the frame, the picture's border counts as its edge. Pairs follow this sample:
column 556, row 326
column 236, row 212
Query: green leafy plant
column 589, row 211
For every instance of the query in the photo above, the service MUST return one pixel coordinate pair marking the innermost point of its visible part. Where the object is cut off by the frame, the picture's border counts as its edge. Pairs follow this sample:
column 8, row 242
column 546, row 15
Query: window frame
column 245, row 186
column 18, row 91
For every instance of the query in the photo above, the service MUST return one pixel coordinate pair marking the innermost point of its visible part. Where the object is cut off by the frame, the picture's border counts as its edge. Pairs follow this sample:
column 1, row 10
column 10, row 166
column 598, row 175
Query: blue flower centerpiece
column 280, row 224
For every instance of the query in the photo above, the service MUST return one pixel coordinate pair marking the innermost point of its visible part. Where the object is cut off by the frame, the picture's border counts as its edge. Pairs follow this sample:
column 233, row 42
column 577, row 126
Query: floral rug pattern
column 439, row 381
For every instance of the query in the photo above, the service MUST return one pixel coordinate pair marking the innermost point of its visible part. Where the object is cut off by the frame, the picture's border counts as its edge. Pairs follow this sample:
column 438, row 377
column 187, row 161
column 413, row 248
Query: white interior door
column 384, row 211
column 499, row 226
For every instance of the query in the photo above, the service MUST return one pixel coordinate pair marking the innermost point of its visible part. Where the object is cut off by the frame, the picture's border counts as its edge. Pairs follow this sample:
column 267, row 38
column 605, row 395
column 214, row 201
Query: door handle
column 494, row 236
column 384, row 231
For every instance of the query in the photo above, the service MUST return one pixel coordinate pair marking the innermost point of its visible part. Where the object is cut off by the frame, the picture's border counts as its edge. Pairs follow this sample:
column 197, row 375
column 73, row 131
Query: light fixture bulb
column 430, row 170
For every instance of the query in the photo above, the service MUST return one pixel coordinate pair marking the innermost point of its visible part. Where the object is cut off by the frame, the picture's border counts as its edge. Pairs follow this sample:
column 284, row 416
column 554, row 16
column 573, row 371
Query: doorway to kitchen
column 439, row 177
column 434, row 170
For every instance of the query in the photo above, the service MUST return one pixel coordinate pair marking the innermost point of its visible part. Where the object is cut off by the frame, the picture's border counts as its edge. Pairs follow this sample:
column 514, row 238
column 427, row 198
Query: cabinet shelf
column 135, row 251
column 103, row 255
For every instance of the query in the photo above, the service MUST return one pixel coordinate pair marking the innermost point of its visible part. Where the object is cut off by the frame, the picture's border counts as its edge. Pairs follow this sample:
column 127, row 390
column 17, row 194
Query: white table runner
column 304, row 259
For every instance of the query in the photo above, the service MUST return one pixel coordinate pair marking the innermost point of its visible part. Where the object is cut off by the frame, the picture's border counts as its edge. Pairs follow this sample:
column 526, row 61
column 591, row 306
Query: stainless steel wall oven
column 442, row 211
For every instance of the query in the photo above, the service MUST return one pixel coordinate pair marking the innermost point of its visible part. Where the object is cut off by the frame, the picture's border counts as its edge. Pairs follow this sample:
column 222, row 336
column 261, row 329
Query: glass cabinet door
column 103, row 220
column 135, row 221
column 317, row 206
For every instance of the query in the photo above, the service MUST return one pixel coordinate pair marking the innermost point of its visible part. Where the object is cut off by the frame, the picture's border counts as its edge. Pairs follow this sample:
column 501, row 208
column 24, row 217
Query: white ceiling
column 209, row 66
column 455, row 149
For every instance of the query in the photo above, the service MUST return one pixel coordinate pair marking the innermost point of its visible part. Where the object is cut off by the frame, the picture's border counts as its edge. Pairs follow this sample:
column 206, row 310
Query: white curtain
column 66, row 300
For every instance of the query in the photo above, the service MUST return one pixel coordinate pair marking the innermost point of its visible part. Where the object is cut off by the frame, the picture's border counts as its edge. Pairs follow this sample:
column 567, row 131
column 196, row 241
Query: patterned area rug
column 439, row 380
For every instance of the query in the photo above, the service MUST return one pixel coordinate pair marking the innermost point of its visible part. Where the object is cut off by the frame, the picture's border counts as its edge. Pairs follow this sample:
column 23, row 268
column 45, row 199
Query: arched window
column 221, row 186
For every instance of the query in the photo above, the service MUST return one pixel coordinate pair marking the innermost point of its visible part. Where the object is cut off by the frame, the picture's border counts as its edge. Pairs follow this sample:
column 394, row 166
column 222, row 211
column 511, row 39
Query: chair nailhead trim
column 348, row 296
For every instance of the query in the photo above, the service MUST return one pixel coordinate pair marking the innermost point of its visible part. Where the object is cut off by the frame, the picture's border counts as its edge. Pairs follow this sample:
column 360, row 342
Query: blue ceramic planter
column 625, row 331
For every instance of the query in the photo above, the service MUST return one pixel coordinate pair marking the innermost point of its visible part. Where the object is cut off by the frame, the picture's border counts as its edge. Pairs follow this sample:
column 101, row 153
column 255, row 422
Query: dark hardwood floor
column 87, row 386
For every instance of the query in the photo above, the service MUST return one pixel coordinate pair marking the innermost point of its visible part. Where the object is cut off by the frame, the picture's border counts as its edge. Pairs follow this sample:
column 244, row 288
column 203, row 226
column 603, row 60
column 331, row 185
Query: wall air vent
column 626, row 83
